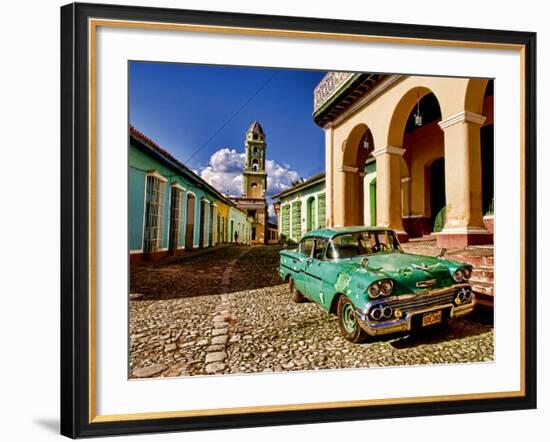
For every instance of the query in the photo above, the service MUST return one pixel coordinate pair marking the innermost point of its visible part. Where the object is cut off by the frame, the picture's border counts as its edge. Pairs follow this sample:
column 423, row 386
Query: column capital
column 462, row 117
column 388, row 149
column 348, row 169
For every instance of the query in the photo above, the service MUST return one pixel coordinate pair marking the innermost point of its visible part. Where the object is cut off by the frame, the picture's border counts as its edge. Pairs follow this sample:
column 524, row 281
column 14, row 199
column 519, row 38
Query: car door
column 314, row 271
column 303, row 257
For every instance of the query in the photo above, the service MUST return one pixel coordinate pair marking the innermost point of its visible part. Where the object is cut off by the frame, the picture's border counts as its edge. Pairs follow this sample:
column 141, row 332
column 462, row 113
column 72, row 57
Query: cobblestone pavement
column 216, row 313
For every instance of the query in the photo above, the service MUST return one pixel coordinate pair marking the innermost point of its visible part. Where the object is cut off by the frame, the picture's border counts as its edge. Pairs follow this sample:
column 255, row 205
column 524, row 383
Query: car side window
column 320, row 247
column 306, row 245
column 331, row 252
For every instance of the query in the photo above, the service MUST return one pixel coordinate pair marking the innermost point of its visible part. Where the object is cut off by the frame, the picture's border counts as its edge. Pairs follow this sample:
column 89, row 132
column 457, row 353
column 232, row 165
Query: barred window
column 154, row 213
column 176, row 203
column 285, row 220
column 321, row 211
column 296, row 220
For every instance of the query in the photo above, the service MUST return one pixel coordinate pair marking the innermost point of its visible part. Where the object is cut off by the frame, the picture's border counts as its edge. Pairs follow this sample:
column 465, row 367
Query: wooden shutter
column 321, row 202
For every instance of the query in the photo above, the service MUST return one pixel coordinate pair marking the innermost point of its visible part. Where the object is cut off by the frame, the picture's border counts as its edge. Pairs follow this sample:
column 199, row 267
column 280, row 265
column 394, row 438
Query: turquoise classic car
column 362, row 275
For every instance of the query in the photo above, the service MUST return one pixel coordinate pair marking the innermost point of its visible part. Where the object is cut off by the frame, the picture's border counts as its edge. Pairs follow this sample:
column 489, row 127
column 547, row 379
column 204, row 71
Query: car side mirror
column 442, row 252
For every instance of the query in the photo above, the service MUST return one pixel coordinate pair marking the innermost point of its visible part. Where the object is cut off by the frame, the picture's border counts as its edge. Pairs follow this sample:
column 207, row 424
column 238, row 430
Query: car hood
column 409, row 270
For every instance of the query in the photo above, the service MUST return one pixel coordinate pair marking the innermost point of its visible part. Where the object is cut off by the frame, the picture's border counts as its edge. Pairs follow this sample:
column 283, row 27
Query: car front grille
column 422, row 301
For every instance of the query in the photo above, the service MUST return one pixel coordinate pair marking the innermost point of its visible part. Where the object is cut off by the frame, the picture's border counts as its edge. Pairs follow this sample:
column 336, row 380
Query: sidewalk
column 181, row 256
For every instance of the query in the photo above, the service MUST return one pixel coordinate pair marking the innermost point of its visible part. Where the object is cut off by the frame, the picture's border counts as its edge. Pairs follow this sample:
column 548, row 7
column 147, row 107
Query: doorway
column 190, row 222
column 437, row 194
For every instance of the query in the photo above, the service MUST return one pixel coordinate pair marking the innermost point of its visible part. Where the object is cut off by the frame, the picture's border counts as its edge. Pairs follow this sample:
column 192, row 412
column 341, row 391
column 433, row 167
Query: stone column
column 406, row 202
column 349, row 201
column 337, row 198
column 406, row 195
column 329, row 175
column 388, row 189
column 463, row 193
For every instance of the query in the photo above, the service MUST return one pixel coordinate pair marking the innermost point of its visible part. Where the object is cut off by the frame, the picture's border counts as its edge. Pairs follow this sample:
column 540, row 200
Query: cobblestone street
column 214, row 313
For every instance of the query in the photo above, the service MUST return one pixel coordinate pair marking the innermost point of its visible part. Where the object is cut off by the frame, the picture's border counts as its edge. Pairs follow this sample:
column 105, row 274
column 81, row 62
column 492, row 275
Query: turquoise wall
column 140, row 163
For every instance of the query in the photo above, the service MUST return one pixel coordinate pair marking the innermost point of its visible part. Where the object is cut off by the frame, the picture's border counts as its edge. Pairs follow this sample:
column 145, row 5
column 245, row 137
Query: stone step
column 476, row 261
column 483, row 274
column 485, row 301
column 484, row 288
column 484, row 292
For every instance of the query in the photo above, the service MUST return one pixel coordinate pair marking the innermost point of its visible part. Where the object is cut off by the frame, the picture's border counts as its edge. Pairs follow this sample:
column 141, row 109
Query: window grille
column 285, row 220
column 321, row 213
column 296, row 220
column 154, row 214
column 176, row 204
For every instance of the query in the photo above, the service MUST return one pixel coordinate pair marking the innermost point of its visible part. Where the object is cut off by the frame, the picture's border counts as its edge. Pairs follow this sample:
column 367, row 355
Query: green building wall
column 295, row 211
column 140, row 164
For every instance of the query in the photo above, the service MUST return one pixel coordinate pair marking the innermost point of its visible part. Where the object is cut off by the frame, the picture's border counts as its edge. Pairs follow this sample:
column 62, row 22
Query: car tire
column 348, row 323
column 297, row 297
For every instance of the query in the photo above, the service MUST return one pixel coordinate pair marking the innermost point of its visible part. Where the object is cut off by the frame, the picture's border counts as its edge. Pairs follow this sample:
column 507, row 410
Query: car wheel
column 297, row 297
column 348, row 323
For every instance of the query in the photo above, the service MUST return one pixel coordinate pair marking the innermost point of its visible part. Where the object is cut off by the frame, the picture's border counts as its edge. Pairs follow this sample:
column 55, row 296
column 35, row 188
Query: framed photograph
column 274, row 220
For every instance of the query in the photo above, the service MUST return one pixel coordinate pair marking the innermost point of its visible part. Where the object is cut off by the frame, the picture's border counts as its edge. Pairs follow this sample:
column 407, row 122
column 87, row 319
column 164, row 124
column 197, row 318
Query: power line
column 254, row 95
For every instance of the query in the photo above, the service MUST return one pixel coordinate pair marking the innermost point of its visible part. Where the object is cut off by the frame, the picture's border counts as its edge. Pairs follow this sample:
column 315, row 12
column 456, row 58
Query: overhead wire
column 237, row 112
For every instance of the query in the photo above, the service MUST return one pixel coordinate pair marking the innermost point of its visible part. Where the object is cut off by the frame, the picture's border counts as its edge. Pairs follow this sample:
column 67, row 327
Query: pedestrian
column 236, row 237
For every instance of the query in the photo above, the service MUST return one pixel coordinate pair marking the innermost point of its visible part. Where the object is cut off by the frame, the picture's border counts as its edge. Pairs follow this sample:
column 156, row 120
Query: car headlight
column 374, row 290
column 386, row 286
column 458, row 275
column 383, row 287
column 467, row 273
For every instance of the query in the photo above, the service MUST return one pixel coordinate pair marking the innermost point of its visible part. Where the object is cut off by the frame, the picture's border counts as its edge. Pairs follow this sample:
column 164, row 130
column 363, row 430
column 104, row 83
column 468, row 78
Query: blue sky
column 182, row 106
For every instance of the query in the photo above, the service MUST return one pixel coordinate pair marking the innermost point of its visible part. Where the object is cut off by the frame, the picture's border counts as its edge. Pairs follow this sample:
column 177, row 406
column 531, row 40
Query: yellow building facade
column 431, row 139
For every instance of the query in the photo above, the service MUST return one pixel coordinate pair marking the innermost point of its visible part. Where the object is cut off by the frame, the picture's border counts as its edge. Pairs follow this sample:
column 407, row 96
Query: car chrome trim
column 411, row 306
column 427, row 283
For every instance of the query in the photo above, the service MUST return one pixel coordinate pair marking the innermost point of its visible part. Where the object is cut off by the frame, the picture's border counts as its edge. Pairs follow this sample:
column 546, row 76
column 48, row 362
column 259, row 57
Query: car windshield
column 350, row 245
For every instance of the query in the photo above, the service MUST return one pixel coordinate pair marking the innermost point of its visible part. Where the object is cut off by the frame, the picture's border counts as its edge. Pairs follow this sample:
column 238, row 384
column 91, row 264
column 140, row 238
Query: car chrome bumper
column 405, row 323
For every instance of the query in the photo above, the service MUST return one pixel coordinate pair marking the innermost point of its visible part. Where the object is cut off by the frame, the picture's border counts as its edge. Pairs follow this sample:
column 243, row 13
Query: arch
column 255, row 164
column 190, row 221
column 357, row 148
column 423, row 141
column 475, row 93
column 351, row 145
column 402, row 111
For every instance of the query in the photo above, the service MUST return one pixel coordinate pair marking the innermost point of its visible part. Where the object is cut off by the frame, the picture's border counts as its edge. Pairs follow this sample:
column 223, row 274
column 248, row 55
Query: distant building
column 301, row 208
column 172, row 209
column 272, row 233
column 253, row 201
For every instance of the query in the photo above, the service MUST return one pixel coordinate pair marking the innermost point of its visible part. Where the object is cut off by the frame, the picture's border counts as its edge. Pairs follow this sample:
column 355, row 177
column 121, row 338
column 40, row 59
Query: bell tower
column 254, row 175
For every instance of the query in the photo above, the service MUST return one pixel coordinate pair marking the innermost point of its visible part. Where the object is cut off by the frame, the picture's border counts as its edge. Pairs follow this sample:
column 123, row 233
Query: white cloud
column 224, row 172
column 279, row 177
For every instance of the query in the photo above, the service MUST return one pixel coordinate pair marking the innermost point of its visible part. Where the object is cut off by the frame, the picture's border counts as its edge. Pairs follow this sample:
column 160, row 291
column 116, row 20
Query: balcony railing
column 328, row 86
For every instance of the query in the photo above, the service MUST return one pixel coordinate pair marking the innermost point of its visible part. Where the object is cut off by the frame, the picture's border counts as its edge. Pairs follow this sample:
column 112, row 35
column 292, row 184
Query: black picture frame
column 75, row 220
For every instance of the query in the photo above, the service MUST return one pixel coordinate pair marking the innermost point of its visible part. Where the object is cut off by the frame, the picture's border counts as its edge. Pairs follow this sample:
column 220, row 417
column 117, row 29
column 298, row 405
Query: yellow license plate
column 431, row 318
